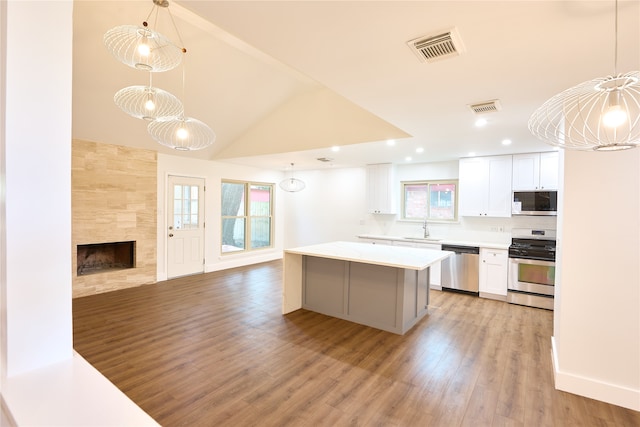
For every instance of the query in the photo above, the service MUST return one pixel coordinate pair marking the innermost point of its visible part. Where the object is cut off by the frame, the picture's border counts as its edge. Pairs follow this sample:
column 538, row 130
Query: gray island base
column 385, row 287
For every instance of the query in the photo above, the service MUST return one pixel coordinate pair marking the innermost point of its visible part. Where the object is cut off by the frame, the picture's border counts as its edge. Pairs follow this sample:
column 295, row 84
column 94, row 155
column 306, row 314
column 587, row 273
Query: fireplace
column 102, row 257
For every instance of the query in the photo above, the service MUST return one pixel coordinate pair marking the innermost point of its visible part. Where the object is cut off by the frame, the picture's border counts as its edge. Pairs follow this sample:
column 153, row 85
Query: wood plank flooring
column 214, row 350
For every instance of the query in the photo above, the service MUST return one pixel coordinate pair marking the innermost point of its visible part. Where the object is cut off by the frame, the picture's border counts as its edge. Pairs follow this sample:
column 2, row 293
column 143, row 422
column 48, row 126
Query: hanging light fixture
column 142, row 47
column 148, row 102
column 180, row 132
column 602, row 114
column 292, row 184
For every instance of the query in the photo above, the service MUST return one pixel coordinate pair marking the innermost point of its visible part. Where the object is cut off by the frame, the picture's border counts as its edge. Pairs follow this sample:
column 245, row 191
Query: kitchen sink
column 423, row 239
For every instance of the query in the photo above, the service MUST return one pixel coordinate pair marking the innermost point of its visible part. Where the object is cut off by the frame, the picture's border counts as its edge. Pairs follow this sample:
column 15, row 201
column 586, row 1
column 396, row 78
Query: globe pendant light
column 144, row 48
column 148, row 103
column 292, row 184
column 602, row 114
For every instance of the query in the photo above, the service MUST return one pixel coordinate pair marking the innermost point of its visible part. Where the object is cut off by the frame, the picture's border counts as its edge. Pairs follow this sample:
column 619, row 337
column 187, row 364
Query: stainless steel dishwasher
column 460, row 271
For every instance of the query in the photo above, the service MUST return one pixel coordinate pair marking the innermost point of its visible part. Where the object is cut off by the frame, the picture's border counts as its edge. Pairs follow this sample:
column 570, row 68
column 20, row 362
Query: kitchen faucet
column 426, row 228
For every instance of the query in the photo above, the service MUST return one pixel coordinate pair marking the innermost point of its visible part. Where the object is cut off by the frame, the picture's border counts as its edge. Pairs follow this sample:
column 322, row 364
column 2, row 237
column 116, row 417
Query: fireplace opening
column 102, row 257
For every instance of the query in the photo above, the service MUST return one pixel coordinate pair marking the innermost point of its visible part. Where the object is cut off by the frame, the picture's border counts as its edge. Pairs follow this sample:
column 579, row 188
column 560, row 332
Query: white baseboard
column 240, row 260
column 591, row 388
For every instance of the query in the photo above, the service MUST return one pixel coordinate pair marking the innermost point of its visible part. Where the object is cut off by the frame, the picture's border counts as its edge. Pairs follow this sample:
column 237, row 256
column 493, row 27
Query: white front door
column 185, row 219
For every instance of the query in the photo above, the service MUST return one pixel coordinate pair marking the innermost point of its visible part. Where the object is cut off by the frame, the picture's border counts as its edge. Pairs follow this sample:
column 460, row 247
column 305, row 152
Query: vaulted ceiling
column 284, row 81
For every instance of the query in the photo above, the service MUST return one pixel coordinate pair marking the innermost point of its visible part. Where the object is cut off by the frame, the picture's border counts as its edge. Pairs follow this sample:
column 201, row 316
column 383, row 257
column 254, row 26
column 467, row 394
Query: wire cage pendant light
column 291, row 184
column 601, row 114
column 145, row 49
column 182, row 133
column 148, row 102
column 142, row 48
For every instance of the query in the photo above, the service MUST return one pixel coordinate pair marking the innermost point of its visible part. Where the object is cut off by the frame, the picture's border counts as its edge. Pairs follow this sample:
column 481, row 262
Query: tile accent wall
column 113, row 200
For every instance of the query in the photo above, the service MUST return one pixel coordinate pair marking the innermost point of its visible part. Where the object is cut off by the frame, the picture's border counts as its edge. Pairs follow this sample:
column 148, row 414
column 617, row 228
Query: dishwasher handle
column 461, row 249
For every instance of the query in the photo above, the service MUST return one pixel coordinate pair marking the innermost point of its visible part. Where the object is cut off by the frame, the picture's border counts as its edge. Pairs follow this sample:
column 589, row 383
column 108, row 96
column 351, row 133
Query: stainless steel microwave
column 534, row 203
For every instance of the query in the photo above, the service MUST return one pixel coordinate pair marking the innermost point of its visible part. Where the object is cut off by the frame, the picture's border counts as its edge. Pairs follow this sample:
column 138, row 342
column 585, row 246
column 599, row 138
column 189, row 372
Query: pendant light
column 144, row 48
column 292, row 184
column 180, row 132
column 602, row 114
column 148, row 102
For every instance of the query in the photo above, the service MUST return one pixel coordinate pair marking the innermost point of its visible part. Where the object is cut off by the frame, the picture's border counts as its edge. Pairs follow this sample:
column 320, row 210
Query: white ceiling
column 290, row 79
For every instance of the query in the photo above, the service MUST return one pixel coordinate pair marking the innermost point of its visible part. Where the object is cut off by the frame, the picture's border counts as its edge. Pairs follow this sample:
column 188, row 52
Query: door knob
column 170, row 234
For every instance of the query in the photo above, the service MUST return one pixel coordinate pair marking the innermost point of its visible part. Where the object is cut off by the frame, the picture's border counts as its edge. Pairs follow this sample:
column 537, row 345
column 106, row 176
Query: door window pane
column 185, row 207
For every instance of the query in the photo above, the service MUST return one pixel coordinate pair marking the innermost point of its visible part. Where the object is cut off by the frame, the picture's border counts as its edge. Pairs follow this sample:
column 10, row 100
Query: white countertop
column 391, row 256
column 70, row 393
column 437, row 241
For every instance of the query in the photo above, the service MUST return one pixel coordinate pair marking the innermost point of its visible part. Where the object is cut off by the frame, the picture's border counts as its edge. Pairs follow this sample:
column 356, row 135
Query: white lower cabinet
column 493, row 273
column 435, row 270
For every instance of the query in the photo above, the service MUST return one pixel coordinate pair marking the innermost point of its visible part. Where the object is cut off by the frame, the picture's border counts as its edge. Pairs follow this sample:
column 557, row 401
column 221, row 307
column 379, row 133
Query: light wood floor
column 214, row 350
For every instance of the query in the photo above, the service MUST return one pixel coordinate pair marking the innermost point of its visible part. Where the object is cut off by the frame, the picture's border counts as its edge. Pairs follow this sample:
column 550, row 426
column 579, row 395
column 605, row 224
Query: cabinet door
column 380, row 189
column 473, row 178
column 499, row 193
column 549, row 170
column 493, row 271
column 526, row 171
column 485, row 186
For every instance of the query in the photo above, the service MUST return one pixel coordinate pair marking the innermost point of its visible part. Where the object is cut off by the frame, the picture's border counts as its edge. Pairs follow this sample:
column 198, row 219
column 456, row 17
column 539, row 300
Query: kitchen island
column 385, row 287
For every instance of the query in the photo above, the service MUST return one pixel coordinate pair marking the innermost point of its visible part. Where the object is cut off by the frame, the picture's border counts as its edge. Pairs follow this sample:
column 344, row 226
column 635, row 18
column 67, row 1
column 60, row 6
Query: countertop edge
column 487, row 245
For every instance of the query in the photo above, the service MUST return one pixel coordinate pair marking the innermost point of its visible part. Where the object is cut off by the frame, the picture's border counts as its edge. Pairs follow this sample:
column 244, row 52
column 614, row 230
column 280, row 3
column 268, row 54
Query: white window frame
column 428, row 183
column 247, row 216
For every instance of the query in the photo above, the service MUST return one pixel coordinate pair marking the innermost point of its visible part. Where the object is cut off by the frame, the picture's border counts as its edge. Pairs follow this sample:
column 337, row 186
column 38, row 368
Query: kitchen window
column 433, row 200
column 247, row 211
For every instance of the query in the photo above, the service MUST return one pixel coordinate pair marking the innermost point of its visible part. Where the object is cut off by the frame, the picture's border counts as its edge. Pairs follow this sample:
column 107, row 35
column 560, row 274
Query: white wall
column 36, row 194
column 597, row 305
column 213, row 174
column 330, row 208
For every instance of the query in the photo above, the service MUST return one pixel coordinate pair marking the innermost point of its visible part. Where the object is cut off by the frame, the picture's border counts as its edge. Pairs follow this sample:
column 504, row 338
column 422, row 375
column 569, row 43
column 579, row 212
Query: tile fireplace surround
column 114, row 200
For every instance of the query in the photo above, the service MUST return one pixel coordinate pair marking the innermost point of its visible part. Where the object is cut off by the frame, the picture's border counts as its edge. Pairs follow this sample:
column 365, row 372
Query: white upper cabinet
column 485, row 186
column 549, row 170
column 536, row 171
column 381, row 186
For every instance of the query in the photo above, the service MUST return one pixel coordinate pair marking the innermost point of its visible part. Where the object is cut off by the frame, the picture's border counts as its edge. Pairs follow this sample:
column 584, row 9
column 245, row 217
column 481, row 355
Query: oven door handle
column 533, row 262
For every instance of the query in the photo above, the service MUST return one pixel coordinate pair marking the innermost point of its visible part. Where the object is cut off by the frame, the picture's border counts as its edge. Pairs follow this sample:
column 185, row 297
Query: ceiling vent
column 486, row 106
column 324, row 159
column 438, row 46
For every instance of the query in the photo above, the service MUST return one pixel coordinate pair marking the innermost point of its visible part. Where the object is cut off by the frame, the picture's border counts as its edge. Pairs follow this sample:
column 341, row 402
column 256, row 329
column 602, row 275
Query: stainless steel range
column 532, row 268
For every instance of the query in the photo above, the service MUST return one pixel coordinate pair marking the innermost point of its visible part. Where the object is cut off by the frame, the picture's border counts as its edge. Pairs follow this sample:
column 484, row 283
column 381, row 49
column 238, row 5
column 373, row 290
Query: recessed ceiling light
column 481, row 122
column 407, row 159
column 506, row 142
column 419, row 150
column 335, row 148
column 391, row 142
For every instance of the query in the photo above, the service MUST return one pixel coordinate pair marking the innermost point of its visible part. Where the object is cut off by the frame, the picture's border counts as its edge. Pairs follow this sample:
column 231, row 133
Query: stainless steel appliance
column 535, row 203
column 460, row 271
column 532, row 270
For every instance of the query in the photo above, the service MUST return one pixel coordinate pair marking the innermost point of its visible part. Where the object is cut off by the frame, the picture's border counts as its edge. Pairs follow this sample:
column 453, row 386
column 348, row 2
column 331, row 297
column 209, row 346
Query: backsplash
column 494, row 230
